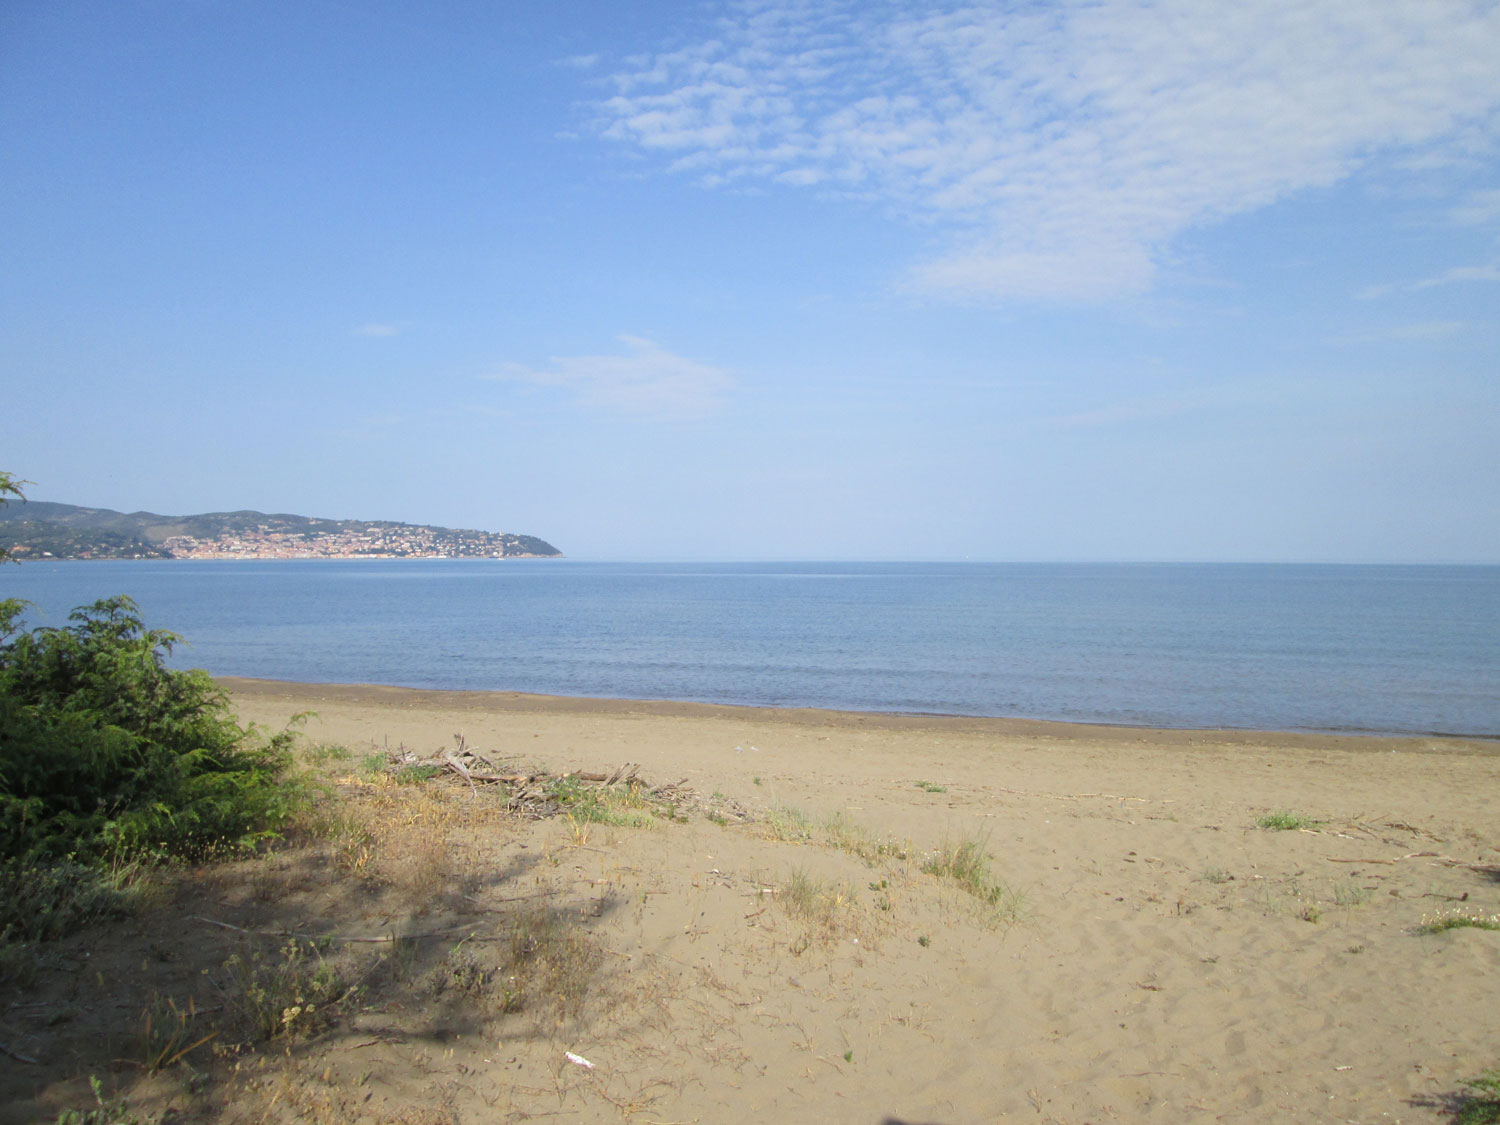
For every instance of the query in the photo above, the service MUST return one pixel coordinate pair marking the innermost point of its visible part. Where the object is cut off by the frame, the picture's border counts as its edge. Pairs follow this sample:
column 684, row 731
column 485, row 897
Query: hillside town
column 392, row 542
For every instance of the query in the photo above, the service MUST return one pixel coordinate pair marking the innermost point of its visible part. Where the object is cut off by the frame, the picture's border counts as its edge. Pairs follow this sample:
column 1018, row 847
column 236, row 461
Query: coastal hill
column 42, row 529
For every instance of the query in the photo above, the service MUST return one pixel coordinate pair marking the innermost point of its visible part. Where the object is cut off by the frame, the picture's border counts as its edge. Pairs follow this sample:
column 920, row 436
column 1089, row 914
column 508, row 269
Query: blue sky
column 1106, row 280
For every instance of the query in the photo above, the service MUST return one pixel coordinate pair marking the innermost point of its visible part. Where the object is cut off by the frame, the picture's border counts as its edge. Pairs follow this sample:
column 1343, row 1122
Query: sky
column 1104, row 280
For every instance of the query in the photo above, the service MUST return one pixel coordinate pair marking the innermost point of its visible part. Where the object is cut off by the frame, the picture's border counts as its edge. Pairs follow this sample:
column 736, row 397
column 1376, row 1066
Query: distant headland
column 41, row 529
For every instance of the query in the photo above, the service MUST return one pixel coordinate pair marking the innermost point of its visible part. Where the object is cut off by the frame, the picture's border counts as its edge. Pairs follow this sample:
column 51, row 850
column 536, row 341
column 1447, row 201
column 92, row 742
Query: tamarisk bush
column 108, row 755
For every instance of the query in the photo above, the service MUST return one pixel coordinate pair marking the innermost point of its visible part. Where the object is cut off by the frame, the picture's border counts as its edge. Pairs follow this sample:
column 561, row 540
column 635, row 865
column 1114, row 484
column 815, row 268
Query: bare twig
column 17, row 1055
column 1437, row 861
column 384, row 939
column 1076, row 796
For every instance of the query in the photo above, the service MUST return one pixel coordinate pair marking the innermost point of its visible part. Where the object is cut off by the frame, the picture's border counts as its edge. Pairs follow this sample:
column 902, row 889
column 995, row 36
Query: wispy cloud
column 1127, row 413
column 1489, row 271
column 1478, row 207
column 377, row 330
column 1398, row 333
column 1061, row 147
column 645, row 381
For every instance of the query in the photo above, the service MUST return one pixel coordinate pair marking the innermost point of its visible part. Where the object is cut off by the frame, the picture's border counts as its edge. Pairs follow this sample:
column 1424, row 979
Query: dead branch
column 1437, row 861
column 459, row 767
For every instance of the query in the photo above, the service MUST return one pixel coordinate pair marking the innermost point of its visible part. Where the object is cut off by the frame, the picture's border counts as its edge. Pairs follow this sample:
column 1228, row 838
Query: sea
column 1367, row 649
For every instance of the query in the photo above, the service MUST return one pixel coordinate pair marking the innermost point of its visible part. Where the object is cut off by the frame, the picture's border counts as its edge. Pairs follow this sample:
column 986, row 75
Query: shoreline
column 997, row 726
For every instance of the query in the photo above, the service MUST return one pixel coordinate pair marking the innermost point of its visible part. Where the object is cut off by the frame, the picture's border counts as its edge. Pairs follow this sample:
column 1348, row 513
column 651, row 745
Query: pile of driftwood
column 533, row 792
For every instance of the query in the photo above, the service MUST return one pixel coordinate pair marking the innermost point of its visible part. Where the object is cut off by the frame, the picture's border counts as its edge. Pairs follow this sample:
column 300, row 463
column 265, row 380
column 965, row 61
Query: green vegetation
column 108, row 755
column 111, row 761
column 967, row 862
column 1483, row 1107
column 788, row 824
column 116, row 1111
column 1350, row 894
column 931, row 787
column 627, row 805
column 1284, row 820
column 792, row 825
column 1458, row 920
column 815, row 901
column 168, row 1033
column 296, row 991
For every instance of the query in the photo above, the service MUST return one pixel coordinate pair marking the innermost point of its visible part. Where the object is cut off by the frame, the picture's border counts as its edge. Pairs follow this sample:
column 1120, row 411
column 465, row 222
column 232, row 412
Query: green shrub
column 106, row 753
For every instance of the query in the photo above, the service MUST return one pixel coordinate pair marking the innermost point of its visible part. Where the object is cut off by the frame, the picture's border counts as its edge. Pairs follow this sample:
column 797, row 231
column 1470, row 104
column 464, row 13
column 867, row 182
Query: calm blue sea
column 1350, row 648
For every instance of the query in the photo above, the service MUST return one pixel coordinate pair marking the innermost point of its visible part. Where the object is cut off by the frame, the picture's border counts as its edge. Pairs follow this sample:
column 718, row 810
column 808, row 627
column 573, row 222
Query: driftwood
column 531, row 792
column 461, row 769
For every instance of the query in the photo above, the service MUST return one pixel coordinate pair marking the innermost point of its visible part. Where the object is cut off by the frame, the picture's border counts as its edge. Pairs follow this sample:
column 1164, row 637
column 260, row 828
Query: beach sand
column 1147, row 953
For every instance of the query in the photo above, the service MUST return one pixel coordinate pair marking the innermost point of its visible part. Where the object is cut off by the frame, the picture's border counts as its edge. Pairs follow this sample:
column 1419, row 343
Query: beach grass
column 1458, row 920
column 1284, row 820
column 966, row 862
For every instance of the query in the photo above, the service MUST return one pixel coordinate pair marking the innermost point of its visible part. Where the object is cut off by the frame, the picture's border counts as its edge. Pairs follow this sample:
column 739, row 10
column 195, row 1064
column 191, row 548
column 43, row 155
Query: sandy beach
column 1144, row 951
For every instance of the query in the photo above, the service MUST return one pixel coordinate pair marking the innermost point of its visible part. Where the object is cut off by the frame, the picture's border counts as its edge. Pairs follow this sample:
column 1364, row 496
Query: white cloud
column 1457, row 275
column 1061, row 147
column 1478, row 207
column 377, row 330
column 1490, row 272
column 1419, row 331
column 645, row 381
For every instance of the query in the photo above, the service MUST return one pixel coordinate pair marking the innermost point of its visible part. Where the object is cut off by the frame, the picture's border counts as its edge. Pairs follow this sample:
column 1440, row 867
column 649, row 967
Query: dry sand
column 1164, row 958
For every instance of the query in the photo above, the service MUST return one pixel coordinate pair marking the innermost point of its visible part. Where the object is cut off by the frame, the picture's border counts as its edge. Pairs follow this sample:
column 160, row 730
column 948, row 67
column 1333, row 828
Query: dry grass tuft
column 294, row 990
column 548, row 964
column 792, row 825
column 820, row 904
